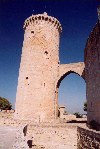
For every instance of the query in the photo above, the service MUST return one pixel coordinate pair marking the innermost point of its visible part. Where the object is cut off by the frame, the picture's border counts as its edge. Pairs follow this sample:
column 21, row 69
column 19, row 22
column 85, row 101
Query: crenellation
column 35, row 19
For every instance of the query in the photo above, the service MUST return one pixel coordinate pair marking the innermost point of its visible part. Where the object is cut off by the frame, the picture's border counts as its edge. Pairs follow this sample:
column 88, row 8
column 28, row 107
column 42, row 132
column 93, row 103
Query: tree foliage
column 85, row 106
column 78, row 115
column 5, row 104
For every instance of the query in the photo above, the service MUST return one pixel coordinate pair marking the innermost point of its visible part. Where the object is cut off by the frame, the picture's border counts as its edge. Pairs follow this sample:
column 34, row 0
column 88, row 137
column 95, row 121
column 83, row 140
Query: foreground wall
column 92, row 75
column 88, row 139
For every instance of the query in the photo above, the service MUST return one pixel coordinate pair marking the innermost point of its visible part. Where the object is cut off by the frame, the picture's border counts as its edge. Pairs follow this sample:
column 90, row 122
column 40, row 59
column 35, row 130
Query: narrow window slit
column 46, row 52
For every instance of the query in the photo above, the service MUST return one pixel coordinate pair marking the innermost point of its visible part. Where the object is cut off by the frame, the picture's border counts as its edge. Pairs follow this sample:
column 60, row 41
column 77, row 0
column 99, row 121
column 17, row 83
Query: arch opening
column 71, row 95
column 65, row 75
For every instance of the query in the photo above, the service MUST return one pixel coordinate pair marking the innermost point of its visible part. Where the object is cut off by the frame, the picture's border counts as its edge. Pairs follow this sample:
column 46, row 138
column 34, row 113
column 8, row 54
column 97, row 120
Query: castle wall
column 38, row 69
column 87, row 138
column 92, row 75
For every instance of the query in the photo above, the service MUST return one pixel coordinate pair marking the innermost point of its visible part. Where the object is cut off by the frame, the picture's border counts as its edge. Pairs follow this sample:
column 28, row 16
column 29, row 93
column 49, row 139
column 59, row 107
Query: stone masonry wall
column 92, row 75
column 87, row 139
column 35, row 97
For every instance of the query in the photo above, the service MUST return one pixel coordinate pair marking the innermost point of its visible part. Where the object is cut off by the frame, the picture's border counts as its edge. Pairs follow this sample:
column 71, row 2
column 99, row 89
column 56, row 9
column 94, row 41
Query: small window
column 32, row 32
column 46, row 52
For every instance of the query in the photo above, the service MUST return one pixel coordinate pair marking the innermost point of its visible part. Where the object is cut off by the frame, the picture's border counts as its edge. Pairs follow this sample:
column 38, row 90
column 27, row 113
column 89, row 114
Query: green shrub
column 85, row 106
column 5, row 104
column 78, row 115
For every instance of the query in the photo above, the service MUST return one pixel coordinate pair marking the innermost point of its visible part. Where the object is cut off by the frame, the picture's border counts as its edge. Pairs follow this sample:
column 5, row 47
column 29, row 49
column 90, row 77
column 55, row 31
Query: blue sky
column 77, row 18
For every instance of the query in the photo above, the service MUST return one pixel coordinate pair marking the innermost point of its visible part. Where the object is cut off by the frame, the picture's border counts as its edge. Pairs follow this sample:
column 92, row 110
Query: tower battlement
column 35, row 19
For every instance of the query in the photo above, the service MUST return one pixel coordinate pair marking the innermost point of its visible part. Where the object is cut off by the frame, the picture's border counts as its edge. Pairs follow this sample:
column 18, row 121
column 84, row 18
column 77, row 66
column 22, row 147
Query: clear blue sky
column 77, row 18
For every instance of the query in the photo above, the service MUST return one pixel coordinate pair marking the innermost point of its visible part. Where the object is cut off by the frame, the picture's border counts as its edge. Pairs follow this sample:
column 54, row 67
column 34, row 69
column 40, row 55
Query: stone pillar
column 38, row 69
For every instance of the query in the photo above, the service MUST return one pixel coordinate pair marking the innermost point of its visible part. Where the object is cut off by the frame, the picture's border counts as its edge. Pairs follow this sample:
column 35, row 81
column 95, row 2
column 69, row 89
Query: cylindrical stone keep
column 35, row 99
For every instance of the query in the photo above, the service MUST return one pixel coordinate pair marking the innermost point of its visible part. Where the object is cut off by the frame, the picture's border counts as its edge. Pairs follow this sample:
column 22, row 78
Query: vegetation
column 78, row 115
column 85, row 106
column 5, row 104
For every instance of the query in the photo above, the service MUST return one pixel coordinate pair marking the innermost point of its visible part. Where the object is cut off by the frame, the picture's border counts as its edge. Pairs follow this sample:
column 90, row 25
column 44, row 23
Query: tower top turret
column 42, row 17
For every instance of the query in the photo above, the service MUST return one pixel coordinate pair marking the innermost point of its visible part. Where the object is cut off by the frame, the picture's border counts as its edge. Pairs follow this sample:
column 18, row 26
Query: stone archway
column 64, row 70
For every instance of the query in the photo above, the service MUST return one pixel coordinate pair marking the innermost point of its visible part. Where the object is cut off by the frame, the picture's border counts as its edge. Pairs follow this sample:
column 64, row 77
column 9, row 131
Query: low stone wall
column 87, row 139
column 7, row 111
column 6, row 115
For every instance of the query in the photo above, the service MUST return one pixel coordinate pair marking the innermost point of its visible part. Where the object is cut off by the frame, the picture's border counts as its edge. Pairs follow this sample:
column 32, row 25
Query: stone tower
column 35, row 99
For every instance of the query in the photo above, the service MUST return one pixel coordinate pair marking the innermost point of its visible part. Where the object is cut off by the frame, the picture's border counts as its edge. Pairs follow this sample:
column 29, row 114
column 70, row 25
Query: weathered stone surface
column 40, row 135
column 66, row 69
column 72, row 67
column 7, row 137
column 87, row 139
column 12, row 137
column 53, row 136
column 92, row 74
column 38, row 69
column 20, row 139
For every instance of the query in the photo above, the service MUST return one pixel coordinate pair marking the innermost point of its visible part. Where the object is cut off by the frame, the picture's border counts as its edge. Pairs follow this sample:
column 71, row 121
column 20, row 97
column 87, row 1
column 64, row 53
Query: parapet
column 42, row 17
